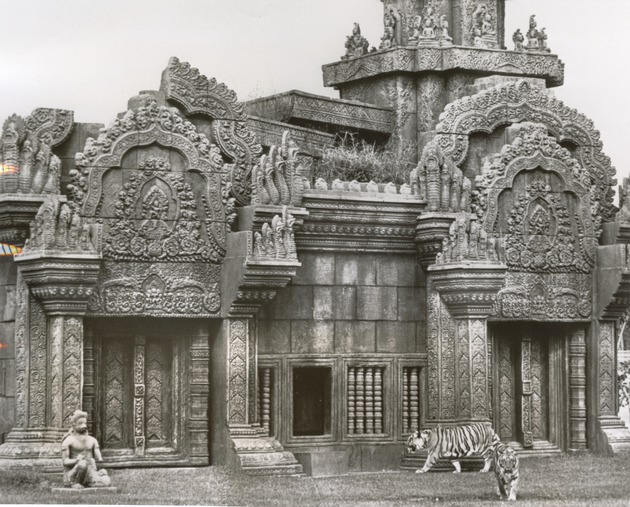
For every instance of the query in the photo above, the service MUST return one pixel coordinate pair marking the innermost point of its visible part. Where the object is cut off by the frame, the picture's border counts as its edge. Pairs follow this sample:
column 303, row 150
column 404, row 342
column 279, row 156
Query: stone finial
column 518, row 40
column 276, row 178
column 80, row 452
column 321, row 184
column 467, row 241
column 437, row 180
column 536, row 39
column 391, row 22
column 60, row 227
column 276, row 240
column 372, row 187
column 356, row 44
column 27, row 164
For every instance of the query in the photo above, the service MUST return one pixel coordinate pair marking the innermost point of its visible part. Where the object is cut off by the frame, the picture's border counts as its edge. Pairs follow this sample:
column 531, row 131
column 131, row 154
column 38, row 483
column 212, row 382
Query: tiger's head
column 417, row 441
column 507, row 460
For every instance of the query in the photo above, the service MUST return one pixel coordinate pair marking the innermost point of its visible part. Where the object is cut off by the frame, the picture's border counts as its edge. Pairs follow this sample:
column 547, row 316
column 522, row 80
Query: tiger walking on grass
column 506, row 469
column 455, row 442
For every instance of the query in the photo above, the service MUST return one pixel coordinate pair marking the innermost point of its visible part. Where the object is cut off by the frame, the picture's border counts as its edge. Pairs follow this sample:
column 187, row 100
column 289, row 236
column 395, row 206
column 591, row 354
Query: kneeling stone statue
column 79, row 453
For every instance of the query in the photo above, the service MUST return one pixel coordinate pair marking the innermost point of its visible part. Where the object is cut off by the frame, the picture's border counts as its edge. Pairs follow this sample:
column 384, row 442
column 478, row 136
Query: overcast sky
column 90, row 56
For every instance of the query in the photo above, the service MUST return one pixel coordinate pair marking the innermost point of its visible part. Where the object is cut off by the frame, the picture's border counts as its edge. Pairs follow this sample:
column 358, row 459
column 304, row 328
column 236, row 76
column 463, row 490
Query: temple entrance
column 530, row 383
column 138, row 391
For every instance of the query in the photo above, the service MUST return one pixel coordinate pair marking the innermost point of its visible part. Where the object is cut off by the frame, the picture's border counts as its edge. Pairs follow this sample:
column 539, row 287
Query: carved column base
column 259, row 454
column 614, row 434
column 431, row 229
column 39, row 448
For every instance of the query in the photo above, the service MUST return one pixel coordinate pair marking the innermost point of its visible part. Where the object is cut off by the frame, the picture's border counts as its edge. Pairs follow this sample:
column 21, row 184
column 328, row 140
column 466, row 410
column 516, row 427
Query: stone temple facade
column 185, row 282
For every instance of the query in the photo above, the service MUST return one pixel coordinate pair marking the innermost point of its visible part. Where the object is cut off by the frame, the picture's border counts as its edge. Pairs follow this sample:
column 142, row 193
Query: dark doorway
column 311, row 401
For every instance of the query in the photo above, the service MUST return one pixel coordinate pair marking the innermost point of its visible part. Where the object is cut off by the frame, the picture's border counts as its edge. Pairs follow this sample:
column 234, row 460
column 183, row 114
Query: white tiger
column 455, row 442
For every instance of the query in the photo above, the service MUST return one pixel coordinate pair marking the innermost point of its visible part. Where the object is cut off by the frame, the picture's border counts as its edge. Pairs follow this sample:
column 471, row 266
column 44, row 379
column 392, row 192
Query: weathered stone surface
column 377, row 303
column 355, row 337
column 312, row 337
column 396, row 271
column 396, row 337
column 317, row 269
column 411, row 304
column 295, row 302
column 274, row 336
column 355, row 270
column 7, row 349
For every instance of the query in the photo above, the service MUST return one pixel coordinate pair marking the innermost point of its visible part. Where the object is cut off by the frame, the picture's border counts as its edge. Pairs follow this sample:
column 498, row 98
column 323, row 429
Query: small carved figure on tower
column 532, row 34
column 415, row 31
column 518, row 38
column 542, row 41
column 443, row 35
column 80, row 452
column 389, row 37
column 484, row 31
column 356, row 44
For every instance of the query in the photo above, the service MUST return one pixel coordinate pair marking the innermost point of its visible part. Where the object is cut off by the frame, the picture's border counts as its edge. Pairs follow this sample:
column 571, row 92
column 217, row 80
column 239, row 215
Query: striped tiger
column 506, row 469
column 455, row 442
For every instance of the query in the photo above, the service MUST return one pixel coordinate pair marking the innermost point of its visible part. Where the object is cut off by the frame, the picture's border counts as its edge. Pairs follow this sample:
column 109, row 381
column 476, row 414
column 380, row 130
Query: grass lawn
column 560, row 481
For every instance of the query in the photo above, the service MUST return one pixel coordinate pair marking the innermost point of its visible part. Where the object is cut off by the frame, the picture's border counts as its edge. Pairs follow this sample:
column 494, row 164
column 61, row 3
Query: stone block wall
column 346, row 303
column 8, row 273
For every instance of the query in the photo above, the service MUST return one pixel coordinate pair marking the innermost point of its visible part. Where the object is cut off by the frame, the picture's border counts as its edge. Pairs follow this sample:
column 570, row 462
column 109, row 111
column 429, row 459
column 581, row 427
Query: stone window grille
column 410, row 399
column 365, row 403
column 266, row 385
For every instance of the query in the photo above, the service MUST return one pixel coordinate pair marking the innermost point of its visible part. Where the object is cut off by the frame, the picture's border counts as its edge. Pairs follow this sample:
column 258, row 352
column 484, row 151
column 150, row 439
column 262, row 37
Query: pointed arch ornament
column 529, row 101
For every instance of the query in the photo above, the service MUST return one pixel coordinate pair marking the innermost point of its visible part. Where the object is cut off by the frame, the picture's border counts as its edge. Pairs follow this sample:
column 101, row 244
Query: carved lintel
column 469, row 289
column 63, row 282
column 431, row 230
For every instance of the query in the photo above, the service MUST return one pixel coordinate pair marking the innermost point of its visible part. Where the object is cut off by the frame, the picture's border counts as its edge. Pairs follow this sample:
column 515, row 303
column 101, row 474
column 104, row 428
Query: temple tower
column 430, row 54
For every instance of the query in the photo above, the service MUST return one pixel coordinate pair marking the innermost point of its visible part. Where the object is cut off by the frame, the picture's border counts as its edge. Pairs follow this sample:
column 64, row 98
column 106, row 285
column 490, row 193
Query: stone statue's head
column 79, row 421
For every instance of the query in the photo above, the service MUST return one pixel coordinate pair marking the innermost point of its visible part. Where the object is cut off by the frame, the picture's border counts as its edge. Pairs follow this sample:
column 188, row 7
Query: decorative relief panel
column 237, row 372
column 161, row 289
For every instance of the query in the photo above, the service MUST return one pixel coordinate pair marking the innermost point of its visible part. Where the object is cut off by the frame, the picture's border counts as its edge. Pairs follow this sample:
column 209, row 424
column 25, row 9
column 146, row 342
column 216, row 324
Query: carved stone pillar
column 458, row 347
column 607, row 431
column 258, row 264
column 53, row 291
column 577, row 390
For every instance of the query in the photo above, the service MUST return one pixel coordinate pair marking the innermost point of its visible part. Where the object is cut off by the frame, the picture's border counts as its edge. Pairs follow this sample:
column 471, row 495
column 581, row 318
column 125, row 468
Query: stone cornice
column 416, row 60
column 469, row 289
column 63, row 281
column 296, row 105
column 359, row 221
column 269, row 132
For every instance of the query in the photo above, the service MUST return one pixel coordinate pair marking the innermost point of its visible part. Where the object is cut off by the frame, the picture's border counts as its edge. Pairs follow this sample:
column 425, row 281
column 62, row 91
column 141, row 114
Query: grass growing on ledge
column 354, row 159
column 585, row 480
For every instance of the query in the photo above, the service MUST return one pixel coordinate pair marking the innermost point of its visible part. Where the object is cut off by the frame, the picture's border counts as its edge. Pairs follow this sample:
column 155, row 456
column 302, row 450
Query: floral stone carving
column 80, row 452
column 276, row 178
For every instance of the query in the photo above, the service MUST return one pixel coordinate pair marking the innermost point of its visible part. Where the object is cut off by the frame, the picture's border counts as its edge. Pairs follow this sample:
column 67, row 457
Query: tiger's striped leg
column 458, row 467
column 487, row 465
column 431, row 460
column 513, row 490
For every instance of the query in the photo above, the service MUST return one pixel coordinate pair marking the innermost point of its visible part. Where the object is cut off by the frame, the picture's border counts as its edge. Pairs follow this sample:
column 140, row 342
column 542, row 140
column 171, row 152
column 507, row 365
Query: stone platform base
column 87, row 491
column 325, row 463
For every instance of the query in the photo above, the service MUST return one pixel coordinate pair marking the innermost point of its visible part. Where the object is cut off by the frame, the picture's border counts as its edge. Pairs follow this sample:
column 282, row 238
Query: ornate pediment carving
column 522, row 101
column 197, row 94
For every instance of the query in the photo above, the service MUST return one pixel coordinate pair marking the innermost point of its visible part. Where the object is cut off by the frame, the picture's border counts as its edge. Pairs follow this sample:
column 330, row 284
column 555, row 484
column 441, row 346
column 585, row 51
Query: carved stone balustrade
column 468, row 289
column 431, row 229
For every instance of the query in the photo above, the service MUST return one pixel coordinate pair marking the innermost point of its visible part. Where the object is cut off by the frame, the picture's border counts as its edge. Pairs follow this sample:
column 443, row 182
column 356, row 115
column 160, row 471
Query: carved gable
column 160, row 189
column 535, row 198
